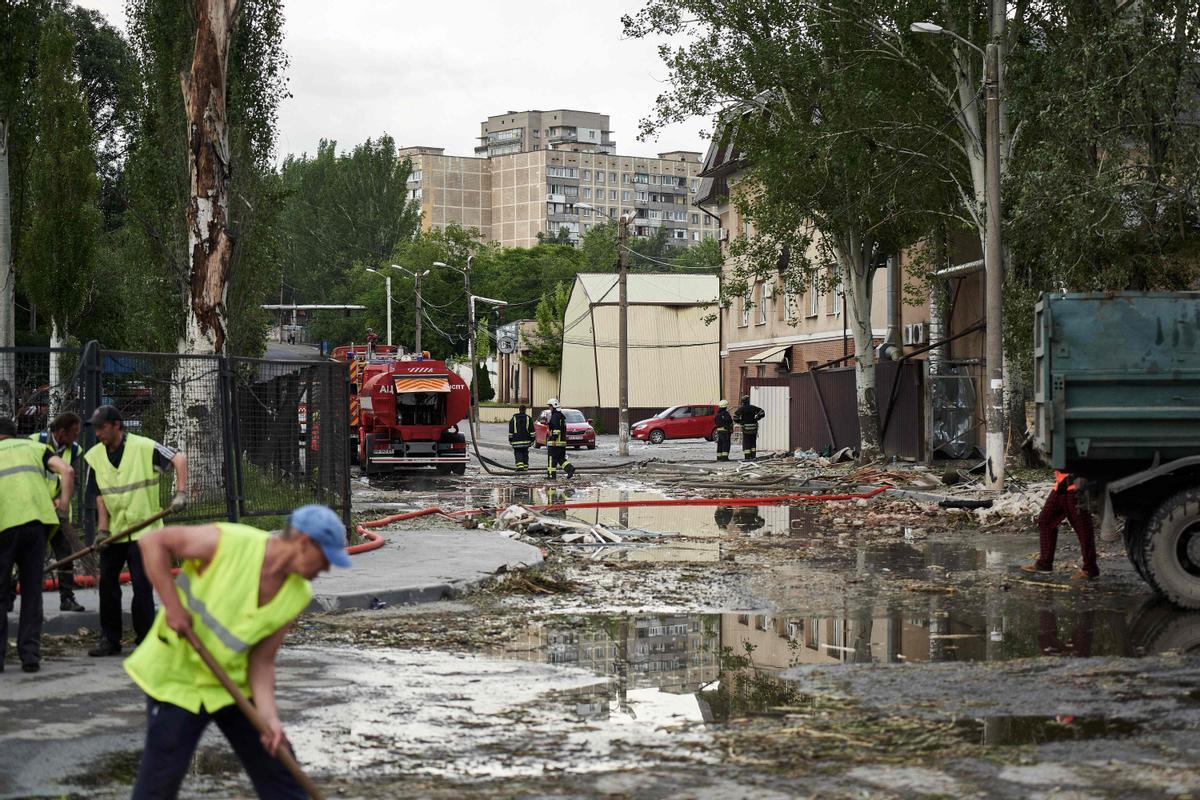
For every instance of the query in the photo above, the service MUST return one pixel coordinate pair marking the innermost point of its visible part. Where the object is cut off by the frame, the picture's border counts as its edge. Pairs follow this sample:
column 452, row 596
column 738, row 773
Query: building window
column 612, row 177
column 612, row 194
column 763, row 292
column 641, row 196
column 415, row 175
column 695, row 236
column 745, row 310
column 587, row 174
column 625, row 177
column 625, row 196
column 695, row 219
column 587, row 193
column 599, row 176
column 813, row 296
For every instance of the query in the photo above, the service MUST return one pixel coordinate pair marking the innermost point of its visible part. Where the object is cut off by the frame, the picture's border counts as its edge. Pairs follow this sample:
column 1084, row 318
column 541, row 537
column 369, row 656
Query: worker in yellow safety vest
column 124, row 477
column 63, row 439
column 26, row 515
column 238, row 591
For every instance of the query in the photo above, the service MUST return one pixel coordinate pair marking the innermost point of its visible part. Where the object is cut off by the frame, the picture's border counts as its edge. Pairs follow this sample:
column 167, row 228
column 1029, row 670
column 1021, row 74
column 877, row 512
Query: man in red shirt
column 1063, row 504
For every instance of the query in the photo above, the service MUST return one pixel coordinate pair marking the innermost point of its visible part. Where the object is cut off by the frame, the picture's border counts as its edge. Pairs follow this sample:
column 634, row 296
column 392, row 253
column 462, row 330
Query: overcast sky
column 429, row 73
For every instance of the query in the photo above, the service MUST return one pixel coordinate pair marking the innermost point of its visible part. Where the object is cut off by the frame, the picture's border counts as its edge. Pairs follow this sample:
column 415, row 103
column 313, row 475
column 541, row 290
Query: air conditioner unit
column 908, row 334
column 920, row 333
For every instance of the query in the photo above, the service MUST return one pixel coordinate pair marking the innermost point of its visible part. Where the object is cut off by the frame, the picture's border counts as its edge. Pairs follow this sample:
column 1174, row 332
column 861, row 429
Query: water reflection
column 727, row 663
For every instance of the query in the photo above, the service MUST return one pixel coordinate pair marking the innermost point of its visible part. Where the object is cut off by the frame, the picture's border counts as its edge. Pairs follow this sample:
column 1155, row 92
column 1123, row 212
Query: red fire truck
column 404, row 411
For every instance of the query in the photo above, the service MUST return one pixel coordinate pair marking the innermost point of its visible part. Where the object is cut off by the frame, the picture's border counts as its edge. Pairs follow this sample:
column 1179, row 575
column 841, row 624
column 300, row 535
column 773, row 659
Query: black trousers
column 24, row 546
column 172, row 734
column 112, row 560
column 521, row 457
column 750, row 445
column 66, row 576
column 723, row 445
column 556, row 459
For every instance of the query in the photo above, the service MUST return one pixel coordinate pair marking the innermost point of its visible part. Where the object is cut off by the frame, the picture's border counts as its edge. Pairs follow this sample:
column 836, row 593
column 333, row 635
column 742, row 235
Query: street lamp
column 387, row 280
column 416, row 276
column 622, row 333
column 466, row 273
column 993, row 259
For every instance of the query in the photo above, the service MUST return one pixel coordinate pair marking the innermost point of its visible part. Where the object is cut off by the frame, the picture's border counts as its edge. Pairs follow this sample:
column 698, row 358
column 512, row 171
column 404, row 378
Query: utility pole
column 622, row 342
column 416, row 276
column 994, row 269
column 420, row 311
column 387, row 282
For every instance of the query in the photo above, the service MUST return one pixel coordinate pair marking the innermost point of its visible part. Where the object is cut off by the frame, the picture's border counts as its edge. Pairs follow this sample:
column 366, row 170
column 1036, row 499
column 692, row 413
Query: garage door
column 773, row 431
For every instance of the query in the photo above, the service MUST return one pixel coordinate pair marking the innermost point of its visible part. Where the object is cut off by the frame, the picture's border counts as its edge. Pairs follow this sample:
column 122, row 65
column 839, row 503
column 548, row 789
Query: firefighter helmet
column 552, row 402
column 723, row 404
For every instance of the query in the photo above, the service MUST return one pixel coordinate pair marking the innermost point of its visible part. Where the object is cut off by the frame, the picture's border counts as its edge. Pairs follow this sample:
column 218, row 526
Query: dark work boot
column 105, row 648
column 67, row 603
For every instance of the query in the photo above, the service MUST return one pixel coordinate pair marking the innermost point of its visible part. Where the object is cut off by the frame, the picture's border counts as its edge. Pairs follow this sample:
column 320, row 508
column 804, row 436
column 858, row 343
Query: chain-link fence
column 261, row 437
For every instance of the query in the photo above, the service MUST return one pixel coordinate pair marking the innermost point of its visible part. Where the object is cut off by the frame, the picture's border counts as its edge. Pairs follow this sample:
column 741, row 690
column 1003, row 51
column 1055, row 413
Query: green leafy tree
column 803, row 107
column 599, row 247
column 703, row 255
column 59, row 239
column 545, row 345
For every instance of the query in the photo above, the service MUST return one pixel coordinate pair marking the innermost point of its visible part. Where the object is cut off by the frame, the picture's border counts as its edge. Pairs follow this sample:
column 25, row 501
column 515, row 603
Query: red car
column 580, row 432
column 677, row 422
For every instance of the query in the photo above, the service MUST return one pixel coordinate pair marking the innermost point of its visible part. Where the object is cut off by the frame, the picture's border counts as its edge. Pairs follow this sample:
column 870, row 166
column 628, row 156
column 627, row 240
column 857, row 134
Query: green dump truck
column 1117, row 396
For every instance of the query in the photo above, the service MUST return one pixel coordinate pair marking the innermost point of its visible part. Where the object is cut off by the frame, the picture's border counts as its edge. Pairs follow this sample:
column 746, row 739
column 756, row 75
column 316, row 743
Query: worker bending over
column 63, row 439
column 747, row 417
column 238, row 590
column 26, row 515
column 125, row 470
column 1063, row 503
column 521, row 437
column 723, row 430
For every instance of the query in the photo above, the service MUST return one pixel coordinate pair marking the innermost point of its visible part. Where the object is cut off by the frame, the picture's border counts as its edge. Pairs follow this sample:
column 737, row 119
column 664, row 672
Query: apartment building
column 540, row 173
column 525, row 131
column 450, row 188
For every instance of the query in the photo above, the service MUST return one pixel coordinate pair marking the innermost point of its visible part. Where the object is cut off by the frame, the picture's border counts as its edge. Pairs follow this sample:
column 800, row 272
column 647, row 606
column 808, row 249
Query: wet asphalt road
column 764, row 652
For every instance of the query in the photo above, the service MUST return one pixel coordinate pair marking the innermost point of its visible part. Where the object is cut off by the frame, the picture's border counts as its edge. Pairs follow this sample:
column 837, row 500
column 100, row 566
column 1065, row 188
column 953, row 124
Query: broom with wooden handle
column 132, row 529
column 247, row 708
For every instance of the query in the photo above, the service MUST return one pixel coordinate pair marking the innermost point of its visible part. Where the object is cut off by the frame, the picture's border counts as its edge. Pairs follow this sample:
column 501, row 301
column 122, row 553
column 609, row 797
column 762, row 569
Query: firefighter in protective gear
column 747, row 417
column 723, row 430
column 521, row 437
column 556, row 443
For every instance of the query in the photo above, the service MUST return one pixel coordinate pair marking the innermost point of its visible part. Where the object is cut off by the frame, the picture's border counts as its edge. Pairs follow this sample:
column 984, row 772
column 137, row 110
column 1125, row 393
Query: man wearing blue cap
column 239, row 590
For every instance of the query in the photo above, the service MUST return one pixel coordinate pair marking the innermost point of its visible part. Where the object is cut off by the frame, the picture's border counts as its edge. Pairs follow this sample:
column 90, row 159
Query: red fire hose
column 375, row 541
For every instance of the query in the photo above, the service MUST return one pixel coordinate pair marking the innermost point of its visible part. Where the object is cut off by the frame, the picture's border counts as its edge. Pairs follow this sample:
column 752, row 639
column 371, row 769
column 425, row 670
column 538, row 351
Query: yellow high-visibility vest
column 130, row 492
column 24, row 493
column 226, row 617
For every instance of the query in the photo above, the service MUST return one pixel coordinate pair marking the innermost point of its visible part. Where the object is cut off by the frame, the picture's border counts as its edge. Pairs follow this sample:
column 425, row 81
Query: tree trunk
column 209, row 238
column 56, row 392
column 195, row 420
column 856, row 283
column 8, row 280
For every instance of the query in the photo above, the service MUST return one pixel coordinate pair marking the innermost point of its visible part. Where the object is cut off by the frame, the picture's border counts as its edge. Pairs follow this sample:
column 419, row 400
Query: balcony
column 556, row 198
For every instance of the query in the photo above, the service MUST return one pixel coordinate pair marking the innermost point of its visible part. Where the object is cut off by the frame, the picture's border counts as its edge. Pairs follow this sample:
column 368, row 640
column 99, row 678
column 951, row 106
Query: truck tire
column 1135, row 545
column 1171, row 549
column 459, row 469
column 1159, row 626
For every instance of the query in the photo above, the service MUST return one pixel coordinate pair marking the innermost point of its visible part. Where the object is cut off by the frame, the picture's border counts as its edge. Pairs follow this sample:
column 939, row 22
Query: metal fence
column 824, row 408
column 261, row 436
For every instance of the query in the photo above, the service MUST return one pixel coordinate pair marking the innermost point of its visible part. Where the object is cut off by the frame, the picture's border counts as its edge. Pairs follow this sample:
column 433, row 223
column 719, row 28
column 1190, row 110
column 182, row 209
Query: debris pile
column 517, row 520
column 1026, row 504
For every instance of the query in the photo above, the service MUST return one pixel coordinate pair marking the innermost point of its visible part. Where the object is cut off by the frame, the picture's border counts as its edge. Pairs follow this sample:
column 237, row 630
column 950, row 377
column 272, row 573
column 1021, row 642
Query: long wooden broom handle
column 105, row 542
column 247, row 708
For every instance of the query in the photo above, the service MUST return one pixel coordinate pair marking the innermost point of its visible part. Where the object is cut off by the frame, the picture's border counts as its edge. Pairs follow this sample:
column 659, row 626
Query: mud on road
column 882, row 648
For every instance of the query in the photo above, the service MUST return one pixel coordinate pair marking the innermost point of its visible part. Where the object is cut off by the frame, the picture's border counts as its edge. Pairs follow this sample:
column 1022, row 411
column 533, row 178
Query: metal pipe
column 892, row 336
column 623, row 343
